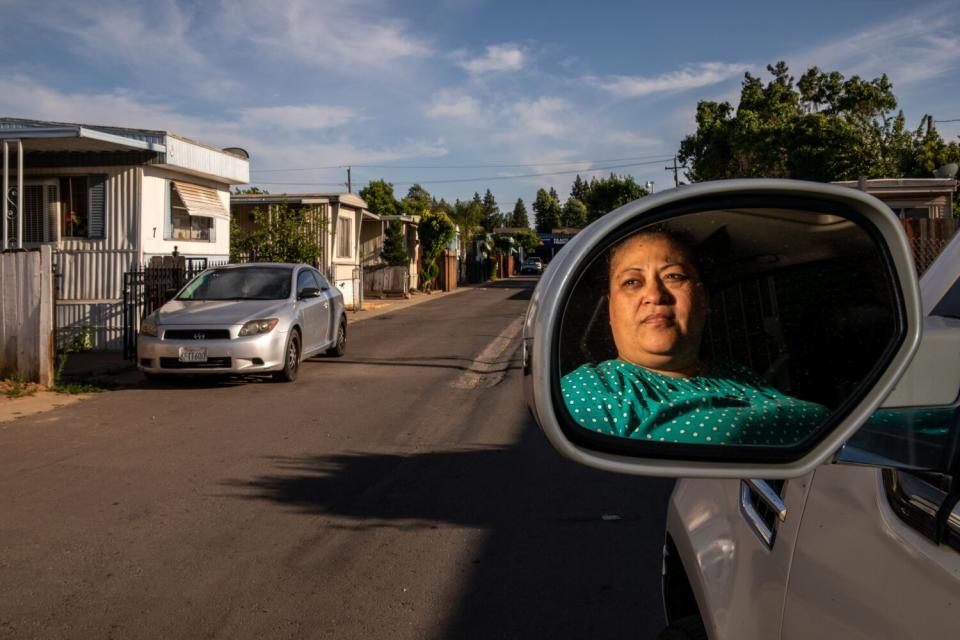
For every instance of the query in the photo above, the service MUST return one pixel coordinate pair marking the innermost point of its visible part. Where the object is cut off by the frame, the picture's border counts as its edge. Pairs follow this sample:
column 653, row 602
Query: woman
column 659, row 388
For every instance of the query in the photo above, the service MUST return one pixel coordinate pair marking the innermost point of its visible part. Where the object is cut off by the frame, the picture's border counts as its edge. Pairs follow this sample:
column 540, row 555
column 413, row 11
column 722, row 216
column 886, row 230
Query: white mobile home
column 107, row 199
column 338, row 221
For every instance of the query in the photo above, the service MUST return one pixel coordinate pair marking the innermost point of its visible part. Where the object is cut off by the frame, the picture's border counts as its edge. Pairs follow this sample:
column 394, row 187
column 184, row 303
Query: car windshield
column 245, row 283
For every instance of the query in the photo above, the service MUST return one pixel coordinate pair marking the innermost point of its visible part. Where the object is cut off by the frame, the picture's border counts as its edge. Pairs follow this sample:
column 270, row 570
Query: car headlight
column 254, row 327
column 148, row 327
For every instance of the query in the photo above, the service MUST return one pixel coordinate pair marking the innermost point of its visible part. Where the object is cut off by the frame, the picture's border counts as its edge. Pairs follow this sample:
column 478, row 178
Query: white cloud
column 303, row 118
column 120, row 32
column 913, row 48
column 545, row 116
column 456, row 106
column 498, row 57
column 24, row 97
column 690, row 77
column 334, row 34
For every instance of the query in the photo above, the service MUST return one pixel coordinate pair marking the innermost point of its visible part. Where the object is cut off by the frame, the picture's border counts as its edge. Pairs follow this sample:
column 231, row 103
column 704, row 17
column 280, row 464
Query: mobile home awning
column 201, row 201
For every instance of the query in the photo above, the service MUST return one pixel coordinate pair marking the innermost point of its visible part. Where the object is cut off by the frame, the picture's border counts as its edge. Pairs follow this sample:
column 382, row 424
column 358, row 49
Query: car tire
column 340, row 342
column 291, row 359
column 688, row 628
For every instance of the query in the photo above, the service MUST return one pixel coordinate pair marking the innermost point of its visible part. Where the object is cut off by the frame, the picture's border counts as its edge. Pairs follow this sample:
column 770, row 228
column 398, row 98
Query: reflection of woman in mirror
column 659, row 388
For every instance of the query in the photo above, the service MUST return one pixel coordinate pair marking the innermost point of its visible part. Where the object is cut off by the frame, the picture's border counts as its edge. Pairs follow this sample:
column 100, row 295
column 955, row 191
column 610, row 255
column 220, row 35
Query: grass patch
column 96, row 385
column 15, row 387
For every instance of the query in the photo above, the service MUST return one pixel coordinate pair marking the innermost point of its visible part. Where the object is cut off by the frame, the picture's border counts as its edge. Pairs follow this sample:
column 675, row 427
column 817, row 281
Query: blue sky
column 444, row 92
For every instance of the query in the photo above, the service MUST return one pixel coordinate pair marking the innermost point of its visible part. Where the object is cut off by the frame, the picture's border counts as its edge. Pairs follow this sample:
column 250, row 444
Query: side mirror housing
column 309, row 292
column 741, row 328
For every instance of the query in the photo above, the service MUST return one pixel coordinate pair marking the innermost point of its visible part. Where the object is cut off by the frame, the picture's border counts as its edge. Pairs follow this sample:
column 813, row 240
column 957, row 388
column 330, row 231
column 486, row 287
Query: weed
column 95, row 385
column 16, row 388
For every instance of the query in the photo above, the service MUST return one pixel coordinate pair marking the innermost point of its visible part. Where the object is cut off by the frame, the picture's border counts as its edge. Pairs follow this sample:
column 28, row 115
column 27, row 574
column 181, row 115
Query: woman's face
column 658, row 305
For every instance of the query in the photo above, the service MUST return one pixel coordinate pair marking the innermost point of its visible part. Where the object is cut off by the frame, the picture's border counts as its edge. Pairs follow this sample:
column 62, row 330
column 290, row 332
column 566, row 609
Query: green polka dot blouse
column 731, row 405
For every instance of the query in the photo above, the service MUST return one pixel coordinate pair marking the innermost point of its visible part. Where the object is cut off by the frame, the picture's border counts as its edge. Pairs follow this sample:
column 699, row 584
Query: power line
column 951, row 120
column 459, row 166
column 484, row 179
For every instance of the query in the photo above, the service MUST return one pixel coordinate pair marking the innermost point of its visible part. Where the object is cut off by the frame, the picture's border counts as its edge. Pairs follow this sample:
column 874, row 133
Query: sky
column 457, row 95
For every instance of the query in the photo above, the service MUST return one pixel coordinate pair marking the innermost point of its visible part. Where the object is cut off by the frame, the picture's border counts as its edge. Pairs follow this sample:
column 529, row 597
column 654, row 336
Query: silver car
column 244, row 319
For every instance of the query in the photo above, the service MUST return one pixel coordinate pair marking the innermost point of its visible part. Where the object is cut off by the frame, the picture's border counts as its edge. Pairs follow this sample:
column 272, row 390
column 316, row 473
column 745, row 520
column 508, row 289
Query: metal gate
column 147, row 288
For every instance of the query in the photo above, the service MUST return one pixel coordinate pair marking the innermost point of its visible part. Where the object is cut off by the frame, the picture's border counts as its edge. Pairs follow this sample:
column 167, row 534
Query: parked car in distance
column 261, row 318
column 532, row 265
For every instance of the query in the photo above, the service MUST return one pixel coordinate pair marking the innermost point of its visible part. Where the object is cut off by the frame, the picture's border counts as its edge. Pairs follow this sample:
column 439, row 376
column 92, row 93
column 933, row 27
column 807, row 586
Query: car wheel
column 340, row 344
column 689, row 628
column 291, row 359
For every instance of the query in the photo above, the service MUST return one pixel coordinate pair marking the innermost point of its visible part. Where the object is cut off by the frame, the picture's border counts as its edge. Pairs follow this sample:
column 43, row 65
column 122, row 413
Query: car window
column 321, row 281
column 240, row 283
column 305, row 280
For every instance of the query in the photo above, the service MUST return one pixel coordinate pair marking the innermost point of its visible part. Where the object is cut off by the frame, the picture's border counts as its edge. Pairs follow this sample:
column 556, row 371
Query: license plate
column 193, row 354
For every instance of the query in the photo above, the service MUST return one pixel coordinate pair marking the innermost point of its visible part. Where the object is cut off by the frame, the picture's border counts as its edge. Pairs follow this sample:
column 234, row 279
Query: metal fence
column 928, row 237
column 147, row 288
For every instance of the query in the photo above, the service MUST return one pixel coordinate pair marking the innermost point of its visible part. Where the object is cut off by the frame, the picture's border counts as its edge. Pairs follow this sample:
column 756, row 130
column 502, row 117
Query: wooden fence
column 26, row 315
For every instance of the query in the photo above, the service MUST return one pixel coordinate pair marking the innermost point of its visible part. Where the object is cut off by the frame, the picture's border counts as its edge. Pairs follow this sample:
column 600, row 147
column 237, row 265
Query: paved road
column 401, row 492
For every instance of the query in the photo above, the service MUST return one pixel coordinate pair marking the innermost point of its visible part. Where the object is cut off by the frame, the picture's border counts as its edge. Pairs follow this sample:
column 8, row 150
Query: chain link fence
column 927, row 238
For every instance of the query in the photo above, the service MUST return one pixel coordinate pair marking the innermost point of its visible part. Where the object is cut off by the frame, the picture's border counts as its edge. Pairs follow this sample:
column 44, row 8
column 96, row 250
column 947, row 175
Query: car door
column 311, row 310
column 737, row 539
column 329, row 308
column 878, row 554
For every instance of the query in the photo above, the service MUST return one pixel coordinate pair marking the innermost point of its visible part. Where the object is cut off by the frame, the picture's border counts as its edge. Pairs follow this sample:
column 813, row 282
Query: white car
column 845, row 525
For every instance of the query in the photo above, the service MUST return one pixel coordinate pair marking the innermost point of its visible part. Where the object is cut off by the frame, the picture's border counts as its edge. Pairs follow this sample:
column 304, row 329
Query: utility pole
column 675, row 168
column 349, row 181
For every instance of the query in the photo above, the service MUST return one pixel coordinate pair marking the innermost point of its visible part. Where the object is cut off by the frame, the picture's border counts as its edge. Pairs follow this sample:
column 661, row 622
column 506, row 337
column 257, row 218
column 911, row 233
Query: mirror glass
column 750, row 326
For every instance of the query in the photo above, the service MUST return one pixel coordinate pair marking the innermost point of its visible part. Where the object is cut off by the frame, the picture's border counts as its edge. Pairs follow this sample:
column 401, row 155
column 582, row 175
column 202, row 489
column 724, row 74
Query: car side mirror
column 740, row 328
column 309, row 292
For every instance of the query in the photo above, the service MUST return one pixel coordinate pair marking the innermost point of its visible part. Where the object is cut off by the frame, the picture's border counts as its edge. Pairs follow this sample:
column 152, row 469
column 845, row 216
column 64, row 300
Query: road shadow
column 570, row 552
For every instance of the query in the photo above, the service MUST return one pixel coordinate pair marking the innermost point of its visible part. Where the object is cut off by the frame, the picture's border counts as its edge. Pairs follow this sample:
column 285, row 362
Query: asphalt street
column 399, row 492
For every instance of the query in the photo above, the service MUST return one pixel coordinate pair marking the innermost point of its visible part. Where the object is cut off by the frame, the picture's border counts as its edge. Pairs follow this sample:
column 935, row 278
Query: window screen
column 344, row 237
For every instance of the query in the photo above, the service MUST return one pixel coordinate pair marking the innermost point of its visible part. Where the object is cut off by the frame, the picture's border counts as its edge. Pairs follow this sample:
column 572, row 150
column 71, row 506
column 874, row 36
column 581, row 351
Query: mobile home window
column 76, row 207
column 184, row 226
column 344, row 237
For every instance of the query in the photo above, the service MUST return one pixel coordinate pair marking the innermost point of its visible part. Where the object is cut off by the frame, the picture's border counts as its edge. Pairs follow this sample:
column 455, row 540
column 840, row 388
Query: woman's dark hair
column 680, row 239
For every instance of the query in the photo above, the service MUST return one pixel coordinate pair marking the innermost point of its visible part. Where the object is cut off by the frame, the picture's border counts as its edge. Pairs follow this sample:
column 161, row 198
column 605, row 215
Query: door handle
column 759, row 493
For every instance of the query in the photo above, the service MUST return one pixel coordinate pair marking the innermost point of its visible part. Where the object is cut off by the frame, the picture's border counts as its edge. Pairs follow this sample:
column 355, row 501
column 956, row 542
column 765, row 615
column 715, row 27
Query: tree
column 435, row 230
column 378, row 195
column 417, row 202
column 526, row 240
column 280, row 234
column 574, row 213
column 579, row 189
column 823, row 127
column 491, row 212
column 606, row 194
column 519, row 217
column 546, row 210
column 469, row 217
column 250, row 191
column 394, row 251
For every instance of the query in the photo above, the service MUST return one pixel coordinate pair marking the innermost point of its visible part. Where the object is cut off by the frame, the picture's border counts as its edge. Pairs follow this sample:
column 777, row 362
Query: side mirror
column 309, row 292
column 741, row 328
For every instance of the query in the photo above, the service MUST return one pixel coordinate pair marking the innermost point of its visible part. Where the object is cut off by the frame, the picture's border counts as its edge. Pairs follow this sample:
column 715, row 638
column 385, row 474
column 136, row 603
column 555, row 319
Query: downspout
column 19, row 194
column 6, row 192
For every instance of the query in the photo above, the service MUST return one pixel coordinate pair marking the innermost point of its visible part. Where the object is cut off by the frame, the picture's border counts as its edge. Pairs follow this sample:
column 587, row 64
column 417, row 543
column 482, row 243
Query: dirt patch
column 18, row 399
